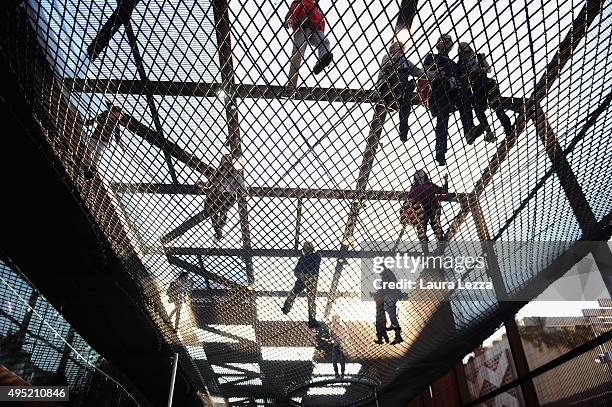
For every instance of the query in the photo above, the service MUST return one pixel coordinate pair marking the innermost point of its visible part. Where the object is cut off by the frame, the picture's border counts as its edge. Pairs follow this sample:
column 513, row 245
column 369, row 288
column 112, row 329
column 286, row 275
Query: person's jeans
column 427, row 217
column 405, row 107
column 445, row 102
column 391, row 309
column 308, row 282
column 317, row 40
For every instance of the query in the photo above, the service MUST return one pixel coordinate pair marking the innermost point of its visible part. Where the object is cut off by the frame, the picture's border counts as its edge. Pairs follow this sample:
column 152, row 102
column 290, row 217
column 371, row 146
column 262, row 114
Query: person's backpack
column 422, row 87
column 410, row 214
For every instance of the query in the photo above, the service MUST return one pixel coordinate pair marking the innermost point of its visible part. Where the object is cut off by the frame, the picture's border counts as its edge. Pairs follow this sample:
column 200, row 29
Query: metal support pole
column 173, row 378
column 520, row 363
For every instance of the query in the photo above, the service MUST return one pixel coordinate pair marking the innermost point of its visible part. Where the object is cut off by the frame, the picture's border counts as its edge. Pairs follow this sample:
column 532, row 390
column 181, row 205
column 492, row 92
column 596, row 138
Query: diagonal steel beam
column 120, row 16
column 133, row 41
column 167, row 146
column 573, row 191
column 552, row 71
column 593, row 116
column 226, row 282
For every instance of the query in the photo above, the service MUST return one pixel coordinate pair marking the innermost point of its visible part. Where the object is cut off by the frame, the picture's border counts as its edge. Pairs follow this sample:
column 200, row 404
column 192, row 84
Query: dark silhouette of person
column 484, row 90
column 422, row 200
column 395, row 87
column 107, row 126
column 306, row 273
column 381, row 320
column 224, row 185
column 390, row 297
column 447, row 95
column 177, row 293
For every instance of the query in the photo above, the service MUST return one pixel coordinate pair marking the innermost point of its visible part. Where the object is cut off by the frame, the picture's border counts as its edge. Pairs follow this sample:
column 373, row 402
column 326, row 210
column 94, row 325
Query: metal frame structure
column 529, row 108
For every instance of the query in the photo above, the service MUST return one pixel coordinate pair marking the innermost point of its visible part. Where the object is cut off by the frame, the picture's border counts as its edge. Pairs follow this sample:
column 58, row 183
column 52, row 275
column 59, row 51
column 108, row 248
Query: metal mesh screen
column 226, row 152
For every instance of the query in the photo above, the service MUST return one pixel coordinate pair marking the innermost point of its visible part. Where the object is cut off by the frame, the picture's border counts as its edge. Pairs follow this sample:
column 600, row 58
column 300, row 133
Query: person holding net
column 447, row 95
column 307, row 21
column 422, row 206
column 307, row 272
column 395, row 87
column 484, row 90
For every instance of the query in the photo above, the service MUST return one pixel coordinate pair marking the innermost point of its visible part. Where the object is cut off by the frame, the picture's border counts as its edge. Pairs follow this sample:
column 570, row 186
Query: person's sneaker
column 490, row 137
column 508, row 131
column 397, row 340
column 285, row 309
column 441, row 160
column 312, row 323
column 470, row 135
column 378, row 341
column 322, row 63
column 88, row 174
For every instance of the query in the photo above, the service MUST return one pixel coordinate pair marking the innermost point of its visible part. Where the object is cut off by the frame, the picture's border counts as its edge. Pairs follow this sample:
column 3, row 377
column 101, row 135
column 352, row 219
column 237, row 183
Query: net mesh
column 202, row 141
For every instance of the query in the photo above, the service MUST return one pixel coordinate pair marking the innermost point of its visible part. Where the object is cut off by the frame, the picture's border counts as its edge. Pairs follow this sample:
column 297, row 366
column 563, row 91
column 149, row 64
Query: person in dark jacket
column 447, row 95
column 484, row 90
column 390, row 298
column 395, row 87
column 106, row 128
column 336, row 333
column 424, row 194
column 307, row 21
column 307, row 272
column 381, row 320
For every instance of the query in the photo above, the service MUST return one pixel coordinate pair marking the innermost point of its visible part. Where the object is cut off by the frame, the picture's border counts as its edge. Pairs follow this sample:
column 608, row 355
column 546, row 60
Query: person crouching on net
column 307, row 21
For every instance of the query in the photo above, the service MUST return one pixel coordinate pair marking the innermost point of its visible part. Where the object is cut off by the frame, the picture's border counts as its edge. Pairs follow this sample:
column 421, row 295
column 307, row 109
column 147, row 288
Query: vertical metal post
column 520, row 363
column 172, row 379
column 298, row 221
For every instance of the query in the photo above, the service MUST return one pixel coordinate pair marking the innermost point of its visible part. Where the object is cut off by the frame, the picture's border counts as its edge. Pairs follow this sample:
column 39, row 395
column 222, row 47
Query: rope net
column 206, row 138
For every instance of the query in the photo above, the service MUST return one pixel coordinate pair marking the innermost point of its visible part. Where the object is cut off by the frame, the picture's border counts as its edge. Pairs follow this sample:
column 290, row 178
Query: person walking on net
column 336, row 334
column 224, row 185
column 423, row 206
column 306, row 273
column 447, row 95
column 484, row 90
column 177, row 293
column 381, row 320
column 395, row 87
column 307, row 21
column 106, row 128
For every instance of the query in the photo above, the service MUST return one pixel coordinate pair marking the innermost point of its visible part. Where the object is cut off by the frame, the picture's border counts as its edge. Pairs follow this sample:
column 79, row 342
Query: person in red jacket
column 308, row 24
column 424, row 194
